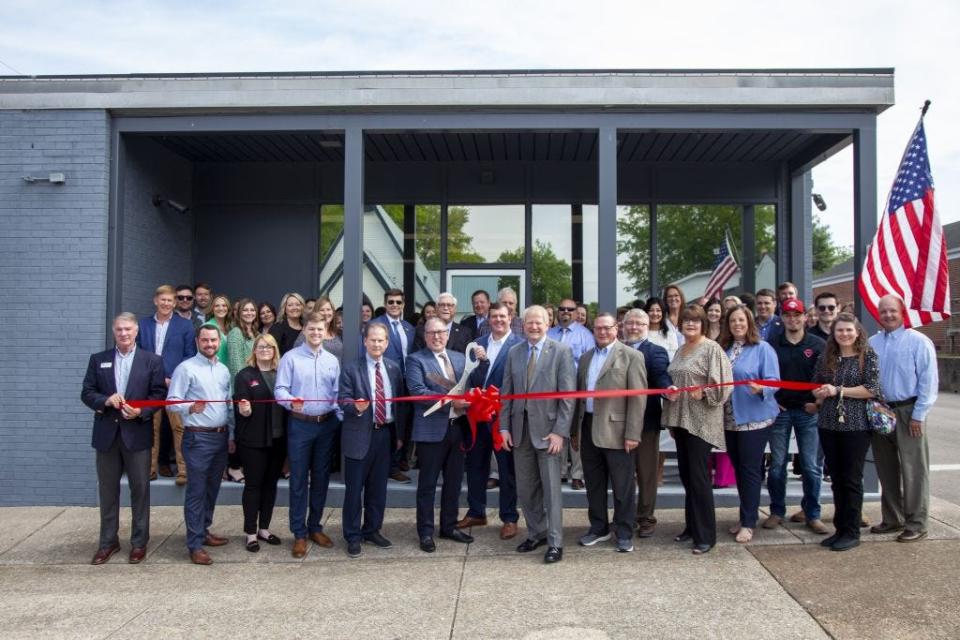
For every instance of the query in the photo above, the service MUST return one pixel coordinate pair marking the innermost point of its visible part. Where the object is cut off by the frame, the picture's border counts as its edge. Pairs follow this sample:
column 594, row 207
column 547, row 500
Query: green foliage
column 459, row 244
column 552, row 277
column 826, row 255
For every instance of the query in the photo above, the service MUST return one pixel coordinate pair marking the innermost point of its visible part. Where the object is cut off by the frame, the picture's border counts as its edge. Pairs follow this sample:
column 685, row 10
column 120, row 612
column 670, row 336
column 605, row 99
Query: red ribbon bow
column 484, row 407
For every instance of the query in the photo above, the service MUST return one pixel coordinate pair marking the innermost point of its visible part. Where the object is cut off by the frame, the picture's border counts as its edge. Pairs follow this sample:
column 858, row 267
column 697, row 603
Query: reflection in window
column 552, row 276
column 633, row 253
column 765, row 220
column 486, row 234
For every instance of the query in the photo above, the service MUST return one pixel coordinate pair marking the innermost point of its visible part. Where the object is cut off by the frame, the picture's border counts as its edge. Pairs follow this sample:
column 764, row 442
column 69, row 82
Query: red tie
column 380, row 412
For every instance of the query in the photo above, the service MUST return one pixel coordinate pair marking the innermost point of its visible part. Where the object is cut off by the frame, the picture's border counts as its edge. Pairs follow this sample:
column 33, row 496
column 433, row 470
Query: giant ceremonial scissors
column 455, row 389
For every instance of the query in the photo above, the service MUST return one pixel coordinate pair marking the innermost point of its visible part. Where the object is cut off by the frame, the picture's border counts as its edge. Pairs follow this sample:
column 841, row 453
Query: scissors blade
column 471, row 364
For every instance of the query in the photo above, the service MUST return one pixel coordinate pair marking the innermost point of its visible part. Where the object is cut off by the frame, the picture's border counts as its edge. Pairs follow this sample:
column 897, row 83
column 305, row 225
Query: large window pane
column 485, row 233
column 633, row 253
column 552, row 275
column 688, row 237
column 765, row 228
column 590, row 261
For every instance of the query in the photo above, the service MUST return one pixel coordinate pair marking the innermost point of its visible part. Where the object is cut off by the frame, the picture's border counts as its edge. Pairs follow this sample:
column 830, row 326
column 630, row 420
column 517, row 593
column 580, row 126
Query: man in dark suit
column 636, row 325
column 608, row 430
column 478, row 323
column 122, row 435
column 368, row 437
column 438, row 436
column 173, row 339
column 402, row 337
column 492, row 354
column 458, row 337
column 537, row 431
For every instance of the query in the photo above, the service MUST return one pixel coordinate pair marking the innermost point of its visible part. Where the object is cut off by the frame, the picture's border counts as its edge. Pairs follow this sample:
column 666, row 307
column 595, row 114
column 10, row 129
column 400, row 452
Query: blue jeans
column 808, row 441
column 205, row 455
column 309, row 450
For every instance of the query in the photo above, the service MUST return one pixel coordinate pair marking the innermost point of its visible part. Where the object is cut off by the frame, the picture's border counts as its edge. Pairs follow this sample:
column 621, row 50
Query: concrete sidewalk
column 782, row 585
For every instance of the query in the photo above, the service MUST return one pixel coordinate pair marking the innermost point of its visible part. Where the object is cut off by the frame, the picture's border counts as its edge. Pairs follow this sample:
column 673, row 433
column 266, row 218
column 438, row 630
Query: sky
column 917, row 39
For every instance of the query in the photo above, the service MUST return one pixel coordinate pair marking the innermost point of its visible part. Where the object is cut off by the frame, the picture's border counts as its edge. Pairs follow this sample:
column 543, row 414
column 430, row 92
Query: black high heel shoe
column 683, row 536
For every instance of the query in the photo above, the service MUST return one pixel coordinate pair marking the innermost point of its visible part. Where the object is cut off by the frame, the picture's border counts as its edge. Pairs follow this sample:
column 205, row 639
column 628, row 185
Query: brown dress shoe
column 181, row 481
column 200, row 556
column 469, row 521
column 508, row 530
column 492, row 483
column 799, row 516
column 165, row 471
column 403, row 465
column 816, row 525
column 153, row 476
column 400, row 476
column 322, row 539
column 772, row 522
column 646, row 528
column 137, row 554
column 102, row 555
column 213, row 540
column 576, row 484
column 299, row 548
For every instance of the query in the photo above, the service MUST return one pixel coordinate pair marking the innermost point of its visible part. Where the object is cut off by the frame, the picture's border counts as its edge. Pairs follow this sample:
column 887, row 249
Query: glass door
column 463, row 282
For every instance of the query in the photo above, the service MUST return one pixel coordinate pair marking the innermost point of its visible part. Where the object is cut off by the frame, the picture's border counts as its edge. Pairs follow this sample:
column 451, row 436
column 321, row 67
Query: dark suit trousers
column 692, row 456
column 261, row 469
column 111, row 465
column 366, row 483
column 601, row 466
column 845, row 452
column 478, row 471
column 436, row 458
column 745, row 449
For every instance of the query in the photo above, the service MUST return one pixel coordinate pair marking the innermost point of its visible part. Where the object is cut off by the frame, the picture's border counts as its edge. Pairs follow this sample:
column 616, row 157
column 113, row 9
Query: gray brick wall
column 53, row 277
column 157, row 241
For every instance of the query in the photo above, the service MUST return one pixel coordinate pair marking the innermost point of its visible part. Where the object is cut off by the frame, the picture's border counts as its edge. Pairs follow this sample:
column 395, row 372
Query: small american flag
column 908, row 256
column 724, row 268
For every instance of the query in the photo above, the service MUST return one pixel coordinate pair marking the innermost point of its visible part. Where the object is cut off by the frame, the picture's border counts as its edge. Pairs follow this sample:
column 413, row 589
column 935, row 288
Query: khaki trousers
column 176, row 425
column 903, row 465
column 646, row 457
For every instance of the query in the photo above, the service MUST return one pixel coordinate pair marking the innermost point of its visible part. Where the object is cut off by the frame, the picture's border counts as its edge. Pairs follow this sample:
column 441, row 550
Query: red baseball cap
column 791, row 305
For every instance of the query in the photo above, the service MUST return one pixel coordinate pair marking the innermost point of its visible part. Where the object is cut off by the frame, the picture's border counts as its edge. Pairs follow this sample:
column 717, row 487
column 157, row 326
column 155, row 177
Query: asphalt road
column 944, row 434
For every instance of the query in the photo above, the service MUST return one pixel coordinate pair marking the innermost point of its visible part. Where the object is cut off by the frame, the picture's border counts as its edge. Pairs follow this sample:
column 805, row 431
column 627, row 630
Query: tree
column 552, row 277
column 826, row 254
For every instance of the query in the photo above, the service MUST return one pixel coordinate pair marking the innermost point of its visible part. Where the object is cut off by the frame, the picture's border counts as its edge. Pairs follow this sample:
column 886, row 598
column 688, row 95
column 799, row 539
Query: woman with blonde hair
column 331, row 340
column 259, row 439
column 289, row 322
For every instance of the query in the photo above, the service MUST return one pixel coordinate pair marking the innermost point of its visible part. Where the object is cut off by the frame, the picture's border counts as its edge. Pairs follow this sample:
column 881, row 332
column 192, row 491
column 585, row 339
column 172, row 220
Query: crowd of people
column 257, row 393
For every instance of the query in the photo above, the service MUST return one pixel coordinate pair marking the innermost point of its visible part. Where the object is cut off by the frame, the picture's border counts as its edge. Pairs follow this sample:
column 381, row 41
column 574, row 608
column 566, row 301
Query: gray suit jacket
column 614, row 419
column 554, row 372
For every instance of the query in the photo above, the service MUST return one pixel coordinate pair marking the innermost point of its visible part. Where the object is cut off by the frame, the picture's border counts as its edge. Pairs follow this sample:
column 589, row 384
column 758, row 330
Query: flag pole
column 926, row 105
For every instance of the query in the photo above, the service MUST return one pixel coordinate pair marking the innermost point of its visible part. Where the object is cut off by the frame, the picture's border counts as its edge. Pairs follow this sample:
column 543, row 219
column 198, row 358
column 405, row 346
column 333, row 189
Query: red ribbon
column 485, row 403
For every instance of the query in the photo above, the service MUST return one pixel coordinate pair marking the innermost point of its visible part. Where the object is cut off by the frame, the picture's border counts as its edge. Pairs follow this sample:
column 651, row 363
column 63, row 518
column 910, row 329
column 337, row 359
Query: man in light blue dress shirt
column 580, row 340
column 307, row 385
column 207, row 427
column 909, row 381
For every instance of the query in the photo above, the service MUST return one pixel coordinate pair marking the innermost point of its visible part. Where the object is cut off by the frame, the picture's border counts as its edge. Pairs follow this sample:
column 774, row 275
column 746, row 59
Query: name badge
column 106, row 365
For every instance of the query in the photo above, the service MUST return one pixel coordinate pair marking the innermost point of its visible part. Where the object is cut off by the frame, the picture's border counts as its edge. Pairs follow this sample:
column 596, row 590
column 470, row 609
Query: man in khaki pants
column 171, row 337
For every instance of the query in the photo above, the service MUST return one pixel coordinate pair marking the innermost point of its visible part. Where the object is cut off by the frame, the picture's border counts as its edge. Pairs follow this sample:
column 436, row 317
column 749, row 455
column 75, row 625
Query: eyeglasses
column 446, row 304
column 567, row 309
column 264, row 347
column 826, row 307
column 184, row 298
column 394, row 302
column 600, row 327
column 437, row 333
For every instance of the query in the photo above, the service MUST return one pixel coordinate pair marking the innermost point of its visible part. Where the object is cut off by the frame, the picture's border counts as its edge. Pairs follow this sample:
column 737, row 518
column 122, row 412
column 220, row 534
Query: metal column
column 410, row 257
column 607, row 220
column 864, row 207
column 748, row 249
column 801, row 235
column 352, row 240
column 576, row 251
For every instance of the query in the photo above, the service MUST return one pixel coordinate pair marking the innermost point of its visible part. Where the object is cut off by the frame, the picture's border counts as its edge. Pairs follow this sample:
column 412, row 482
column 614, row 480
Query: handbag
column 881, row 417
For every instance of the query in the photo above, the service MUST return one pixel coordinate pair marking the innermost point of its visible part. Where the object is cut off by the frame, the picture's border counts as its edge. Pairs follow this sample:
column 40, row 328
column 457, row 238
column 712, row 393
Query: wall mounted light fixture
column 53, row 178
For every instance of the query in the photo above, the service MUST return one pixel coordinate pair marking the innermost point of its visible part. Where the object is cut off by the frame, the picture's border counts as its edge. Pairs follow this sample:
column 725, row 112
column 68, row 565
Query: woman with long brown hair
column 850, row 373
column 221, row 317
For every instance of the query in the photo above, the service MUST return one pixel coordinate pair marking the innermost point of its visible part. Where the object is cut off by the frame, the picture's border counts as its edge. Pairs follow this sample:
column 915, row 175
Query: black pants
column 601, row 466
column 261, row 470
column 846, row 452
column 436, row 458
column 365, row 487
column 111, row 465
column 745, row 449
column 692, row 456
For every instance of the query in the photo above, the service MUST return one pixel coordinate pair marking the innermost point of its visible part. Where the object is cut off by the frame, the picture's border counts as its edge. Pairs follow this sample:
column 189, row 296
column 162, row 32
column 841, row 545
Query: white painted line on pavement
column 945, row 467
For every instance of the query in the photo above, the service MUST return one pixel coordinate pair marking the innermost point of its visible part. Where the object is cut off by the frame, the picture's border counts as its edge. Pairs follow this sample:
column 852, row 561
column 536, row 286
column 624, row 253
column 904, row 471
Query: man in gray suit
column 537, row 430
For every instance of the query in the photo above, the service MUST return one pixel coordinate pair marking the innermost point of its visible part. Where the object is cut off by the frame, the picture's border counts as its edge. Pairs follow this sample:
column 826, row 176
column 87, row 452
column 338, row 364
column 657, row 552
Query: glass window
column 765, row 228
column 591, row 235
column 552, row 276
column 486, row 234
column 633, row 253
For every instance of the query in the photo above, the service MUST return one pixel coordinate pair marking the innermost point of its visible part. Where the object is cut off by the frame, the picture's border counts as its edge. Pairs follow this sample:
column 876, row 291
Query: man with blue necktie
column 492, row 353
column 400, row 345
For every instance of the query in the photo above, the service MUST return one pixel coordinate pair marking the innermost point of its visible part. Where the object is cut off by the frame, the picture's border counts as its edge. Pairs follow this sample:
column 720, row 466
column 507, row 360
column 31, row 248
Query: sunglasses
column 567, row 309
column 184, row 298
column 826, row 307
column 394, row 302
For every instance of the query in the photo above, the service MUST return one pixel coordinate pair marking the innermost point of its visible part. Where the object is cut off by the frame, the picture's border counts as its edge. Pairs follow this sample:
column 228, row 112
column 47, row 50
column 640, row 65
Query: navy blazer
column 657, row 361
column 394, row 350
column 146, row 382
column 179, row 344
column 479, row 376
column 430, row 428
column 355, row 385
column 458, row 339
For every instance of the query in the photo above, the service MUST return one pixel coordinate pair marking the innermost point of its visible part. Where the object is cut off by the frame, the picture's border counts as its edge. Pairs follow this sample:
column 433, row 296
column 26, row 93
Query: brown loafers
column 508, row 530
column 102, row 555
column 299, row 548
column 322, row 539
column 200, row 556
column 137, row 555
column 213, row 540
column 470, row 521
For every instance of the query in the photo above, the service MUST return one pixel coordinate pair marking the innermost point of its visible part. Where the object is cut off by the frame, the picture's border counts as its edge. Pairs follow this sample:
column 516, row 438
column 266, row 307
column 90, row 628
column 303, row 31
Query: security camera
column 173, row 204
column 819, row 201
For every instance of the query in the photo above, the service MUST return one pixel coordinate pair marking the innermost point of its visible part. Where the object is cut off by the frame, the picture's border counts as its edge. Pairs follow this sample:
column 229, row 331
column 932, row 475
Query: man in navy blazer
column 438, row 436
column 369, row 437
column 172, row 338
column 492, row 355
column 458, row 336
column 636, row 325
column 122, row 435
column 402, row 337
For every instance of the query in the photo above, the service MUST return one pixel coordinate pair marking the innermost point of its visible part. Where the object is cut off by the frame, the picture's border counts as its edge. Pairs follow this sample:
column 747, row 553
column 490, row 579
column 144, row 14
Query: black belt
column 305, row 418
column 902, row 403
column 206, row 429
column 385, row 425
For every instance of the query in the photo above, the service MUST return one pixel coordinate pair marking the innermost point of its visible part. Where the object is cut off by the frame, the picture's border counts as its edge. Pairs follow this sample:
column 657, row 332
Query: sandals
column 745, row 535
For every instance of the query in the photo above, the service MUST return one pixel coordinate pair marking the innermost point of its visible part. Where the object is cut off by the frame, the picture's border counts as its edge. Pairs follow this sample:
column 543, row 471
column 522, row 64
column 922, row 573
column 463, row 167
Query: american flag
column 908, row 256
column 724, row 268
